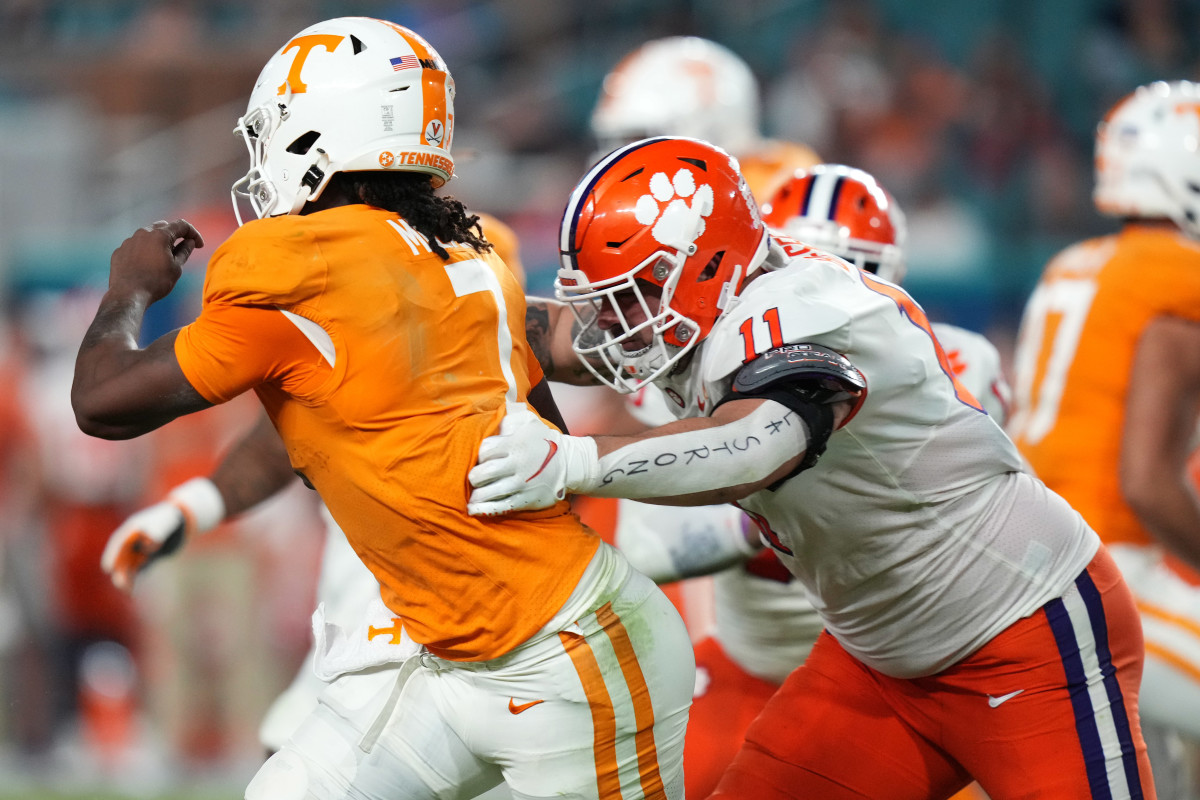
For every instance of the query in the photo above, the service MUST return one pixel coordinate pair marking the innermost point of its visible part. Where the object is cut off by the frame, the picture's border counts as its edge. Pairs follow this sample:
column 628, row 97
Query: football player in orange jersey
column 255, row 468
column 1107, row 379
column 385, row 341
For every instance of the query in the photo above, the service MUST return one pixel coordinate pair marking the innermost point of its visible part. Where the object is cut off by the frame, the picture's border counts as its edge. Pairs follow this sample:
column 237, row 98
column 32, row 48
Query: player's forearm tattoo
column 680, row 457
column 745, row 451
column 537, row 332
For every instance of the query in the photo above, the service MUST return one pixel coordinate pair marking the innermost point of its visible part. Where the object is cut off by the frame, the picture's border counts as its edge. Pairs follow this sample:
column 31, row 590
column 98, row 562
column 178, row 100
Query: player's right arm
column 254, row 469
column 776, row 421
column 122, row 390
column 551, row 327
column 1160, row 416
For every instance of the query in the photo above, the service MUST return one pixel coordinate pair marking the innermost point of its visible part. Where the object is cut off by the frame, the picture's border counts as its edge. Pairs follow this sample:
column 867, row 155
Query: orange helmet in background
column 844, row 211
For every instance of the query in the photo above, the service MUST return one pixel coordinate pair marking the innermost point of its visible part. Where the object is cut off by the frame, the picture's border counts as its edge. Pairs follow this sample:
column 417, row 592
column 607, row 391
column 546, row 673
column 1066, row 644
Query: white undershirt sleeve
column 745, row 451
column 667, row 543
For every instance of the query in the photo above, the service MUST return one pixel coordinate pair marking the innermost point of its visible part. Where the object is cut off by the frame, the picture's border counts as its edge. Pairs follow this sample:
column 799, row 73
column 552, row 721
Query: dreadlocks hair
column 439, row 218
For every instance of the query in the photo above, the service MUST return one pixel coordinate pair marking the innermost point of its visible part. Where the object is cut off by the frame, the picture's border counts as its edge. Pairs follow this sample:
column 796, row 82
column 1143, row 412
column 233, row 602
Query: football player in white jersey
column 764, row 624
column 690, row 86
column 975, row 627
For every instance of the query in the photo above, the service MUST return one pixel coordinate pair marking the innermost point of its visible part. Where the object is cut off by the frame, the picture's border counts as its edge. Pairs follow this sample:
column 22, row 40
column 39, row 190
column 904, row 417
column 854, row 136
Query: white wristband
column 581, row 459
column 201, row 502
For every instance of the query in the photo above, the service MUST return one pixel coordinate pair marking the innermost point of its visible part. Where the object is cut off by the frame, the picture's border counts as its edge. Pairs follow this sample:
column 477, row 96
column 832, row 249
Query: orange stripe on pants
column 643, row 708
column 604, row 719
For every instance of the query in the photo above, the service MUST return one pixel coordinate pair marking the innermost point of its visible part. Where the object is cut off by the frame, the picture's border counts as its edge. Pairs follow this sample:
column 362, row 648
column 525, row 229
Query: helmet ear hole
column 303, row 143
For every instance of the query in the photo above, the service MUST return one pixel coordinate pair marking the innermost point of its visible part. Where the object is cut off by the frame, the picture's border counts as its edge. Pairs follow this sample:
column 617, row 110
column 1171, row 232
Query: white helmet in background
column 1148, row 155
column 344, row 95
column 679, row 86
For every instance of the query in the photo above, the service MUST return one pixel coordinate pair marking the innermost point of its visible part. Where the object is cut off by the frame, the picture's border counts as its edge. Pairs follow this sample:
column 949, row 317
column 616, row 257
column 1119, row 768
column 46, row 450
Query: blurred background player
column 844, row 210
column 689, row 86
column 1107, row 375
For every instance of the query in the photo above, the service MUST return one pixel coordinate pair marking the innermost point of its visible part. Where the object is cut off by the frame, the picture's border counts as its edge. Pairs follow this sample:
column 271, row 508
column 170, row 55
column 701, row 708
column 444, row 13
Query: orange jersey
column 771, row 164
column 383, row 403
column 1075, row 356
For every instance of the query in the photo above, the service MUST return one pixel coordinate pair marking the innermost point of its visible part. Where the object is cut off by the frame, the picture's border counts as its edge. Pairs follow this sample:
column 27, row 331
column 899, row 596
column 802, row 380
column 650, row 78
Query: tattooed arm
column 745, row 446
column 121, row 391
column 550, row 328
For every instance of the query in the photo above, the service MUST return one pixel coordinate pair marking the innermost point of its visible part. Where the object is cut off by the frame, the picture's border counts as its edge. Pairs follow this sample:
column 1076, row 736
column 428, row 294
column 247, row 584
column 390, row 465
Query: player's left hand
column 146, row 536
column 528, row 465
column 190, row 509
column 152, row 259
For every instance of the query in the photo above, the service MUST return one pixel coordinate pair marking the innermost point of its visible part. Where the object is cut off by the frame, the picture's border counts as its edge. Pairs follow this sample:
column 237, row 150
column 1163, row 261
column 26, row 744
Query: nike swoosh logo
column 994, row 702
column 517, row 709
column 550, row 455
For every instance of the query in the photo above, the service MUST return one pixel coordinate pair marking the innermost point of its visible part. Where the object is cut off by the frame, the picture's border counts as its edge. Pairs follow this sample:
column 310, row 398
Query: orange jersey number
column 916, row 315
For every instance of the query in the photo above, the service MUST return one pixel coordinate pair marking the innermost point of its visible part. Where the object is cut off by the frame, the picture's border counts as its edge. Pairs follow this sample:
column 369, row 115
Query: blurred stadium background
column 977, row 115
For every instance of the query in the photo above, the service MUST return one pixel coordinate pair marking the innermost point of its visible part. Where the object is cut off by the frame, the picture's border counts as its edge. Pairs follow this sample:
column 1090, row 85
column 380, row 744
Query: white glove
column 530, row 465
column 189, row 509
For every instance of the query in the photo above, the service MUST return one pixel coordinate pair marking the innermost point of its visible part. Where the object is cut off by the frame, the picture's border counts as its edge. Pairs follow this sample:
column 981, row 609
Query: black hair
column 412, row 196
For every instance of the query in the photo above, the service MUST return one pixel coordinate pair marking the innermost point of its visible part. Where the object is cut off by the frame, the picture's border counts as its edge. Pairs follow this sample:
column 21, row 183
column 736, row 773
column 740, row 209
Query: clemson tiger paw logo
column 681, row 221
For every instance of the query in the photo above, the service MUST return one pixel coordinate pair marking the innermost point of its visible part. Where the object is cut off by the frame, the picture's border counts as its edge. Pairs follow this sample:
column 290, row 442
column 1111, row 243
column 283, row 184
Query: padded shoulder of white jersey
column 781, row 307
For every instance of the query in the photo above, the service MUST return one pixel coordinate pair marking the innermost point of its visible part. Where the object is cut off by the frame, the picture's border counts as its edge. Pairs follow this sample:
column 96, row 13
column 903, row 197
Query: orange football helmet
column 668, row 222
column 844, row 211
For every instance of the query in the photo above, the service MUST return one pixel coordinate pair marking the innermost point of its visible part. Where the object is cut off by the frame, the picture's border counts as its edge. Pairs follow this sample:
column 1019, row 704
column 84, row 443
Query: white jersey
column 976, row 363
column 346, row 589
column 918, row 535
column 763, row 618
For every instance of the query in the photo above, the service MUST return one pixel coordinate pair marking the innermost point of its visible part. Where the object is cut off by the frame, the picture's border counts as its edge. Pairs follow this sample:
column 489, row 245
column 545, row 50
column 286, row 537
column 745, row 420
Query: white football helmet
column 679, row 86
column 344, row 95
column 1148, row 155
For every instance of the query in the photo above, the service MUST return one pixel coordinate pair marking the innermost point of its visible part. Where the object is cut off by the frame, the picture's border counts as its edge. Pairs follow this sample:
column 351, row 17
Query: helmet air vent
column 358, row 44
column 303, row 143
column 699, row 163
column 710, row 269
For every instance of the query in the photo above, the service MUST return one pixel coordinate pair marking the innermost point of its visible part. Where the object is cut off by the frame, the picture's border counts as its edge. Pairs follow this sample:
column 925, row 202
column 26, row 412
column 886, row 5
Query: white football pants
column 593, row 707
